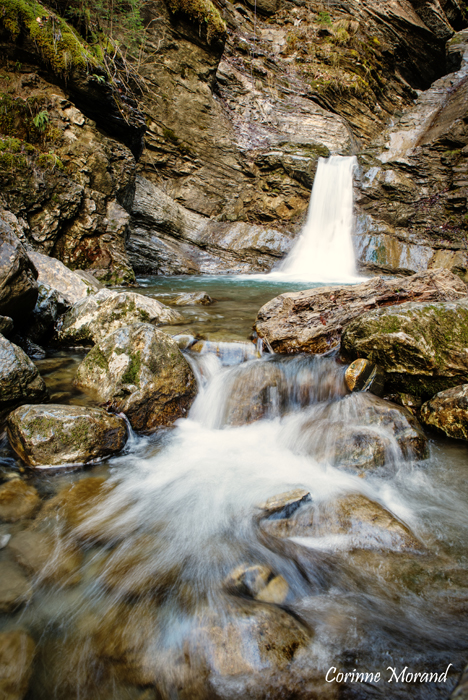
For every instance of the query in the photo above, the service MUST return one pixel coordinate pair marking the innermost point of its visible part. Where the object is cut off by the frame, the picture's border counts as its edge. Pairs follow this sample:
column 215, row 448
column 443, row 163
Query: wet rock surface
column 20, row 382
column 49, row 558
column 314, row 320
column 447, row 412
column 362, row 375
column 18, row 501
column 18, row 285
column 50, row 306
column 421, row 346
column 16, row 658
column 139, row 371
column 93, row 318
column 189, row 298
column 50, row 434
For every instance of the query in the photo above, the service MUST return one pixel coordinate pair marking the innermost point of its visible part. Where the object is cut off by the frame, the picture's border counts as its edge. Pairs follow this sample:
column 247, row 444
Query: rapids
column 150, row 615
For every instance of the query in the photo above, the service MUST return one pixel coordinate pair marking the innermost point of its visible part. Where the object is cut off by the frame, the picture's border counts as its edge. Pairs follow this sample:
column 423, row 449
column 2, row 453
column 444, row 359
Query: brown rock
column 20, row 382
column 313, row 320
column 190, row 298
column 362, row 375
column 15, row 589
column 18, row 500
column 18, row 286
column 16, row 656
column 285, row 504
column 447, row 412
column 52, row 434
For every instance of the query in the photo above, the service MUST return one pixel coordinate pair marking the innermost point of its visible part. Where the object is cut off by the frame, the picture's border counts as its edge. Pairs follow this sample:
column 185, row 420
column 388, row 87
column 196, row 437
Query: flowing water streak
column 324, row 251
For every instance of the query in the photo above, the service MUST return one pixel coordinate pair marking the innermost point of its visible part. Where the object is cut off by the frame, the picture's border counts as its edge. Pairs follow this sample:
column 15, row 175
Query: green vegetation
column 132, row 373
column 204, row 13
column 16, row 154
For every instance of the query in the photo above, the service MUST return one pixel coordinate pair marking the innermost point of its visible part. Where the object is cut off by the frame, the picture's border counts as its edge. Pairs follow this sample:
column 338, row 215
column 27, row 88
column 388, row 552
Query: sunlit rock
column 18, row 500
column 93, row 318
column 71, row 285
column 285, row 504
column 421, row 346
column 16, row 658
column 447, row 412
column 140, row 371
column 362, row 375
column 52, row 434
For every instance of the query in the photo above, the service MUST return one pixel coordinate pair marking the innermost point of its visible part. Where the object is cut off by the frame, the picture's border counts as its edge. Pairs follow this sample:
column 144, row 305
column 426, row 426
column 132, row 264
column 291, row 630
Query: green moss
column 132, row 373
column 58, row 44
column 97, row 358
column 204, row 13
column 144, row 315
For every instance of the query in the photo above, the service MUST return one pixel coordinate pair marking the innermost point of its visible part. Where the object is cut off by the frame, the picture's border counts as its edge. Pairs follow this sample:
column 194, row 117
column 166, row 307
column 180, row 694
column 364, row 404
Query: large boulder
column 18, row 286
column 313, row 320
column 447, row 412
column 421, row 347
column 140, row 371
column 16, row 657
column 54, row 435
column 20, row 382
column 73, row 286
column 50, row 306
column 91, row 319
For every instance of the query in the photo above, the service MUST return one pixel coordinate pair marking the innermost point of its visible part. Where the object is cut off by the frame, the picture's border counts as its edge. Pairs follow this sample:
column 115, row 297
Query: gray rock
column 15, row 589
column 20, row 381
column 18, row 286
column 191, row 298
column 16, row 658
column 91, row 319
column 50, row 306
column 6, row 326
column 46, row 435
column 139, row 371
column 285, row 504
column 421, row 347
column 313, row 320
column 447, row 412
column 460, row 692
column 72, row 286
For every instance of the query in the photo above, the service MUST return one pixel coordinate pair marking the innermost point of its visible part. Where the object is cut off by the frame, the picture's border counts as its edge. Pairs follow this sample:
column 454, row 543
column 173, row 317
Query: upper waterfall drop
column 324, row 251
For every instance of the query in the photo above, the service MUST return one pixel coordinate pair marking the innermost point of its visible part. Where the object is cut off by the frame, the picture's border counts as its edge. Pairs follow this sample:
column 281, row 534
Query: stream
column 153, row 609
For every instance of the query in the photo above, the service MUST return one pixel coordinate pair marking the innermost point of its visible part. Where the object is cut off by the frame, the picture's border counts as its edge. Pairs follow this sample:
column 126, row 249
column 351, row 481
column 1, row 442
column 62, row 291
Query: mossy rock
column 141, row 372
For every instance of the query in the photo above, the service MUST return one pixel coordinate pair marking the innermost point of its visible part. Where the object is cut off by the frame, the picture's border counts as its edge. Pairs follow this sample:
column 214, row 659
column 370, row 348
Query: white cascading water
column 324, row 251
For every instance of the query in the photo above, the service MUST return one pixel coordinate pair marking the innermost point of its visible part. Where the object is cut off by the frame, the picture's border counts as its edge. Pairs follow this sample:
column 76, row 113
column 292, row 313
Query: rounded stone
column 16, row 657
column 18, row 500
column 53, row 434
column 362, row 375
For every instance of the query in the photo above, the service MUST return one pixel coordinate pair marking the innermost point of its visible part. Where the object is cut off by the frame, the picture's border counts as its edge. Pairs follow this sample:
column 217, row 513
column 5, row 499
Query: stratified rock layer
column 53, row 434
column 141, row 372
column 313, row 320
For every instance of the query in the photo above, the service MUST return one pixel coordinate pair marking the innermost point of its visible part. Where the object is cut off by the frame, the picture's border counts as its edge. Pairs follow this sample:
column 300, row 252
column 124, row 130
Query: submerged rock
column 72, row 285
column 314, row 320
column 421, row 347
column 18, row 285
column 190, row 298
column 18, row 500
column 16, row 657
column 49, row 558
column 139, row 371
column 19, row 379
column 15, row 589
column 447, row 412
column 362, row 375
column 367, row 523
column 361, row 433
column 285, row 504
column 258, row 582
column 52, row 434
column 93, row 318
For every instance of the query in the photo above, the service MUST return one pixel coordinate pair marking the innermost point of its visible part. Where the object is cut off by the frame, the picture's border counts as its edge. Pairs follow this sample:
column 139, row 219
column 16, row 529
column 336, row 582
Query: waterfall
column 324, row 251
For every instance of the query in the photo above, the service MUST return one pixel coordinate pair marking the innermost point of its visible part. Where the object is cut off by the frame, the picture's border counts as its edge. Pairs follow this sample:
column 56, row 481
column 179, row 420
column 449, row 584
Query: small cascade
column 324, row 251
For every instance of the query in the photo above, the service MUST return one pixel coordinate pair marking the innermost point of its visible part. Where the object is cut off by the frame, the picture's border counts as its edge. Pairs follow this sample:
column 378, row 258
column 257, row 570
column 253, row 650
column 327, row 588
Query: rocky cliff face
column 235, row 130
column 412, row 194
column 241, row 100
